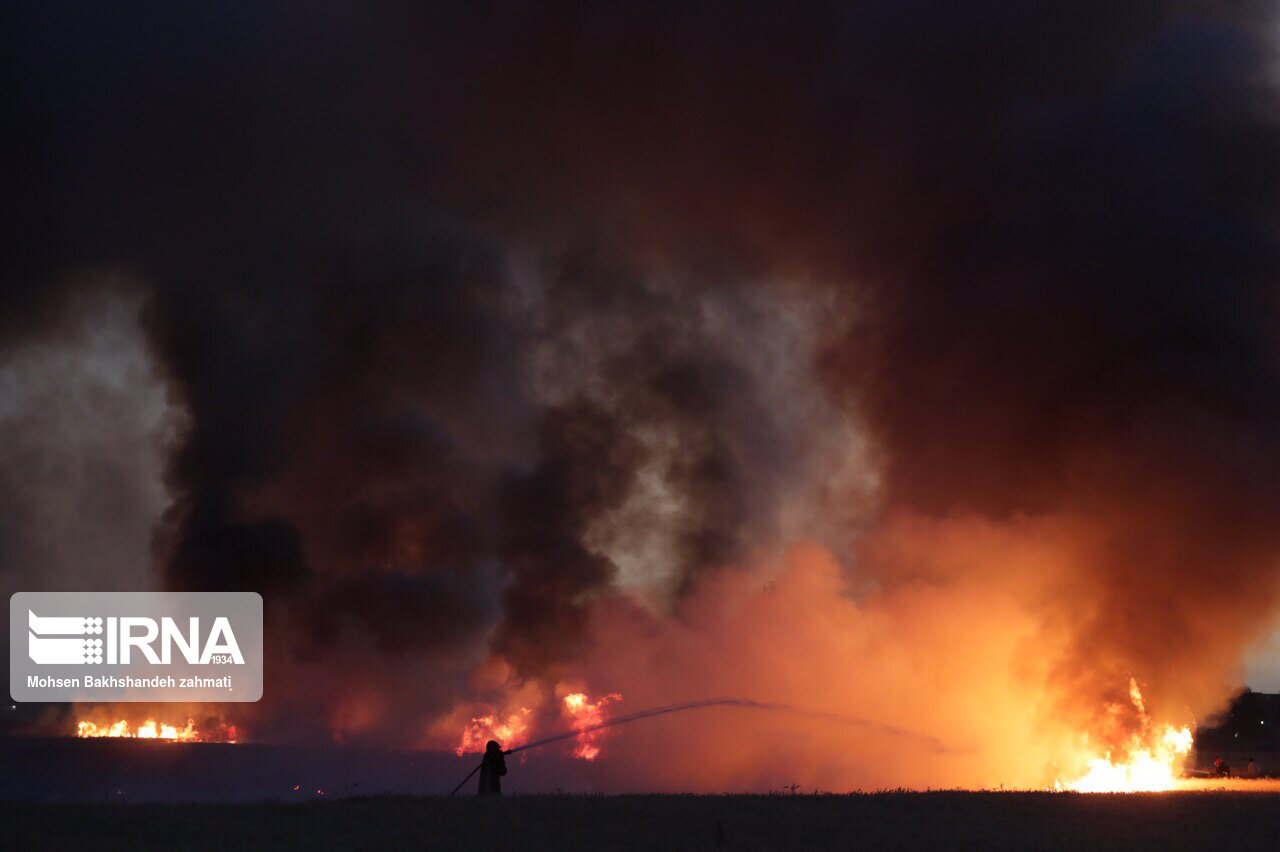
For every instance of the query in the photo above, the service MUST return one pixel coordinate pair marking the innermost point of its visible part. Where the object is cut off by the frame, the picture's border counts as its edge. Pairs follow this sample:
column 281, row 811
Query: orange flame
column 585, row 715
column 153, row 730
column 148, row 730
column 510, row 733
column 1150, row 759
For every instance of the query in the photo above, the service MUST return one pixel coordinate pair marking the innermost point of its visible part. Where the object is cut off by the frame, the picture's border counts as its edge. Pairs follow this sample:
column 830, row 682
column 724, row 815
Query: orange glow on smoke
column 956, row 671
column 511, row 732
column 587, row 714
column 1150, row 759
column 153, row 730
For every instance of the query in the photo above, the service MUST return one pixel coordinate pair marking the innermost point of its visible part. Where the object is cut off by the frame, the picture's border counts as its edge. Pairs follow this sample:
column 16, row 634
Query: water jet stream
column 934, row 743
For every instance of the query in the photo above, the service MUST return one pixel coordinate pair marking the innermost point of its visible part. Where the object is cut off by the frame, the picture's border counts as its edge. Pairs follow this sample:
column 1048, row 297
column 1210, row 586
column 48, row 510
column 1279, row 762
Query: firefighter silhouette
column 492, row 768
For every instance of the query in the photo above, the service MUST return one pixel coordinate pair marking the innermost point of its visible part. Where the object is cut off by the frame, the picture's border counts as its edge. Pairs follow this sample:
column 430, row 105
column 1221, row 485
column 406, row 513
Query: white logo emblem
column 64, row 640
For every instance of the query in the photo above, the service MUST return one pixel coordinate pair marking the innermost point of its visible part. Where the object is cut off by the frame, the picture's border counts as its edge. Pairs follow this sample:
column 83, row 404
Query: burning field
column 690, row 399
column 150, row 729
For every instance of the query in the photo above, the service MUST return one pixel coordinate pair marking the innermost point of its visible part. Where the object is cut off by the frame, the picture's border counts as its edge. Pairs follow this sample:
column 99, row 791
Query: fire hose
column 933, row 743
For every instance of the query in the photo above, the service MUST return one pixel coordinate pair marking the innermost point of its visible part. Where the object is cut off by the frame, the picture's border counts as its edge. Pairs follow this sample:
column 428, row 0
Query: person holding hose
column 492, row 767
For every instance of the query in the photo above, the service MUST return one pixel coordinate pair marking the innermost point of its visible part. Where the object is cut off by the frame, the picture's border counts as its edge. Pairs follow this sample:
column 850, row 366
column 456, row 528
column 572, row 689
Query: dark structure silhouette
column 492, row 768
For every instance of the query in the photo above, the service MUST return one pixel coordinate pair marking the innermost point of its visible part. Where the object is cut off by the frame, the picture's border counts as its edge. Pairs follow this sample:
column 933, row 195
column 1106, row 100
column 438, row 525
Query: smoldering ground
column 913, row 362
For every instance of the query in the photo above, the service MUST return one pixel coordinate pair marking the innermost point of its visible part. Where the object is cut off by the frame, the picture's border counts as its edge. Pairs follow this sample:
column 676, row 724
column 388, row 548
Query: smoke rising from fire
column 913, row 362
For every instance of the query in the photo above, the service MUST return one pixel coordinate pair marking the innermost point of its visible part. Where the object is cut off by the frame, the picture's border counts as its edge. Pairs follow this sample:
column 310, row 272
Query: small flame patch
column 587, row 714
column 153, row 730
column 511, row 731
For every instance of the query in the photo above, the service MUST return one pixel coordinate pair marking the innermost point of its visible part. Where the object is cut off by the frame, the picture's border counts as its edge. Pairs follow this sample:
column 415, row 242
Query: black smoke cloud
column 439, row 290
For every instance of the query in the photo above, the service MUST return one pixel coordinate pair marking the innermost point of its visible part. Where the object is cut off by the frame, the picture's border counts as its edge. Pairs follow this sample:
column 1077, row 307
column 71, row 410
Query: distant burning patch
column 510, row 732
column 153, row 730
column 587, row 715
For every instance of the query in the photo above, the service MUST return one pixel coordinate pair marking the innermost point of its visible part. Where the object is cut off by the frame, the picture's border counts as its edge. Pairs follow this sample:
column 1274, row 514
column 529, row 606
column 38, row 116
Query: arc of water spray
column 932, row 742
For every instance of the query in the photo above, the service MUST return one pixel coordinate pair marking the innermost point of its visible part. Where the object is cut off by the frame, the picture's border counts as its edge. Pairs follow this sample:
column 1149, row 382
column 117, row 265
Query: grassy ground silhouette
column 960, row 820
